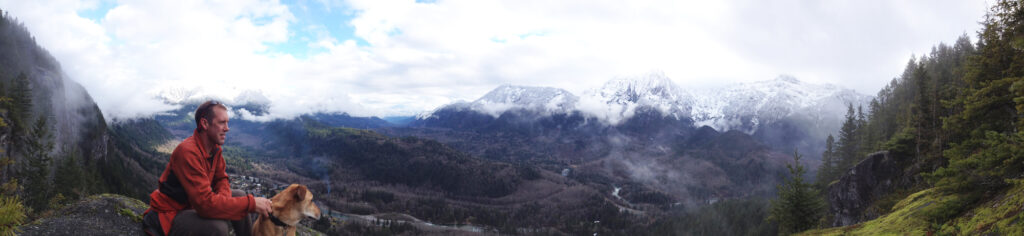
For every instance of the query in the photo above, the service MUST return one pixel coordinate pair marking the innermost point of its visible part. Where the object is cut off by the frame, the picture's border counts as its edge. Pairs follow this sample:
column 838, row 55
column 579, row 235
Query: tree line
column 956, row 114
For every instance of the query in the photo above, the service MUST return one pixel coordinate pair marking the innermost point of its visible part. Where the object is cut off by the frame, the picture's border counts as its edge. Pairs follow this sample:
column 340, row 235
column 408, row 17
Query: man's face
column 217, row 129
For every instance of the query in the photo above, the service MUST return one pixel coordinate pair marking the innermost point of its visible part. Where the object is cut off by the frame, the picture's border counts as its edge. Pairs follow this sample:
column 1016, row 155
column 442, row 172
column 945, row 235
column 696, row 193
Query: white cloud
column 425, row 55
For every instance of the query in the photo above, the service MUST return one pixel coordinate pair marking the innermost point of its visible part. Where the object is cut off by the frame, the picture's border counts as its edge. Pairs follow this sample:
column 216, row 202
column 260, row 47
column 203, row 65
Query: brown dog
column 290, row 206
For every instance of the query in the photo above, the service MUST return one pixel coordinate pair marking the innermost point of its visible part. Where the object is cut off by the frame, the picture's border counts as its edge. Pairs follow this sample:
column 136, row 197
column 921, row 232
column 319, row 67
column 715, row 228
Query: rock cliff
column 851, row 197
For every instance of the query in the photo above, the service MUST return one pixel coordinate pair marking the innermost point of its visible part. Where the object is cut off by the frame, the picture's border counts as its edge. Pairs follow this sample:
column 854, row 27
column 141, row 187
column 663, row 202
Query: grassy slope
column 999, row 215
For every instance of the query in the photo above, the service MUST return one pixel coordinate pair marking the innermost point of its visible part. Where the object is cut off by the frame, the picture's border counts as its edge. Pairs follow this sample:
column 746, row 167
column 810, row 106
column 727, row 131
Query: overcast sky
column 381, row 57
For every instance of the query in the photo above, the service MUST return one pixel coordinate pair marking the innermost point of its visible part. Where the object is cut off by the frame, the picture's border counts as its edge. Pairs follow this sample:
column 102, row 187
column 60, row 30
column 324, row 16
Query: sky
column 396, row 58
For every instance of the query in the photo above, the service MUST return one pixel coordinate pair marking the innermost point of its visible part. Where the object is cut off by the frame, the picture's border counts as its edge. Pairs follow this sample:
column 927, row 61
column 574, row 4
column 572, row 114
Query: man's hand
column 263, row 206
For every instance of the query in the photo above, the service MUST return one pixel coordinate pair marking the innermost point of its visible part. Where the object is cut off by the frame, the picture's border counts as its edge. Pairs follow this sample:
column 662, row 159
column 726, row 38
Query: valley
column 938, row 150
column 525, row 170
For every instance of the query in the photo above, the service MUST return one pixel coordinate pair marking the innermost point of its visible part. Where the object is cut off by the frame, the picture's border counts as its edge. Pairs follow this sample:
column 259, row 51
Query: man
column 195, row 197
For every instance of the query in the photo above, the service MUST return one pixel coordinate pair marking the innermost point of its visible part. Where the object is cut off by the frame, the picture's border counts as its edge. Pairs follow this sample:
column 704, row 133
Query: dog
column 290, row 206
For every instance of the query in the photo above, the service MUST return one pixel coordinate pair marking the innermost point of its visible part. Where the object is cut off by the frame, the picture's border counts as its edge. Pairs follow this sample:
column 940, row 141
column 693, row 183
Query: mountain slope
column 81, row 135
column 619, row 98
column 784, row 113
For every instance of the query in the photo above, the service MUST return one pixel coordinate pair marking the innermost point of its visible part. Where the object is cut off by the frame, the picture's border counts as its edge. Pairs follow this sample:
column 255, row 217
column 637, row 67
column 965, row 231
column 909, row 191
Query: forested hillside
column 56, row 145
column 952, row 124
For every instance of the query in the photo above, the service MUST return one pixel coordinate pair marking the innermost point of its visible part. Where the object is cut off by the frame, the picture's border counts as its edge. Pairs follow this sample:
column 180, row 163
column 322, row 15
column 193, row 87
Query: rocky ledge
column 104, row 214
column 852, row 195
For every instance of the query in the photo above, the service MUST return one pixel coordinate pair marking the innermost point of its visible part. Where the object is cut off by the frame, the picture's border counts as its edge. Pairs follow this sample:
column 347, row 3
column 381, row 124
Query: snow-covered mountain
column 742, row 106
column 747, row 105
column 545, row 100
column 183, row 95
column 619, row 98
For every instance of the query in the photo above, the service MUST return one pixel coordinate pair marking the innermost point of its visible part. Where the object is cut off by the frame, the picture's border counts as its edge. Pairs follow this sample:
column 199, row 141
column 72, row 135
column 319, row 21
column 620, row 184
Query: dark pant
column 188, row 222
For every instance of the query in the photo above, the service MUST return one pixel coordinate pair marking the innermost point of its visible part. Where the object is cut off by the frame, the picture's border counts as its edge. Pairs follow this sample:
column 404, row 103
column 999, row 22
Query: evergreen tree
column 847, row 150
column 21, row 94
column 70, row 180
column 37, row 171
column 20, row 110
column 798, row 206
column 921, row 110
column 864, row 138
column 12, row 212
column 827, row 173
column 988, row 130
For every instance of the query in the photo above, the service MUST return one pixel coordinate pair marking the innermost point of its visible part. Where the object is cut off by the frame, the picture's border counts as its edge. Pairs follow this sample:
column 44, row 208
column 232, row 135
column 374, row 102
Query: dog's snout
column 313, row 211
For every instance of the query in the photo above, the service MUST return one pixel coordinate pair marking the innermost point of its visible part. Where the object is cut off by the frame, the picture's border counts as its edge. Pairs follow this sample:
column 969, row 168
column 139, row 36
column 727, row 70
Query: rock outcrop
column 105, row 214
column 851, row 197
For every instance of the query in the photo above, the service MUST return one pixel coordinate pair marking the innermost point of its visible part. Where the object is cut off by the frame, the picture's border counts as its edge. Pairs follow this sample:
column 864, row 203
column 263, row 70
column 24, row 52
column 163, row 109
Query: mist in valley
column 482, row 118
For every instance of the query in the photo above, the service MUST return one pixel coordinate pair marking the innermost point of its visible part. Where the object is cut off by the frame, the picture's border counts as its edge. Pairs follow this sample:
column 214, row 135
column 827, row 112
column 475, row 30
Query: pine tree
column 847, row 150
column 21, row 94
column 70, row 180
column 12, row 212
column 921, row 109
column 864, row 138
column 987, row 131
column 37, row 171
column 20, row 112
column 798, row 206
column 827, row 173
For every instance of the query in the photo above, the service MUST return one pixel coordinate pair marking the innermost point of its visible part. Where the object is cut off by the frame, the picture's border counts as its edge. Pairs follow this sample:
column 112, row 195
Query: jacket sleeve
column 194, row 177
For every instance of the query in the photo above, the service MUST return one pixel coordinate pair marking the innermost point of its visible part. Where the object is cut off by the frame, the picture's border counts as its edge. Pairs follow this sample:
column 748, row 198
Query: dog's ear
column 300, row 192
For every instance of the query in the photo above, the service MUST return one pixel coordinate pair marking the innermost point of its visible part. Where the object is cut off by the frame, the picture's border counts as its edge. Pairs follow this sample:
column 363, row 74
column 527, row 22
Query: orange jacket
column 205, row 183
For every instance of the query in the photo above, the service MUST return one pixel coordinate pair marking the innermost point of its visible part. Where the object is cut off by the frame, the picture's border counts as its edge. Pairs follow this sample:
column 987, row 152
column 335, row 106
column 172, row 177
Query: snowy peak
column 618, row 99
column 741, row 106
column 177, row 95
column 181, row 95
column 252, row 97
column 748, row 104
column 526, row 96
column 544, row 100
column 648, row 89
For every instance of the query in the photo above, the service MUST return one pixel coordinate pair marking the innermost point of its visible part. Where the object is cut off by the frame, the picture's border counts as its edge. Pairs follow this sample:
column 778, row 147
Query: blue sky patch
column 315, row 21
column 98, row 12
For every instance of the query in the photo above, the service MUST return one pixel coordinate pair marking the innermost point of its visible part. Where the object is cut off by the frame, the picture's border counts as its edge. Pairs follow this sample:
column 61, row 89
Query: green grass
column 128, row 212
column 1000, row 215
column 914, row 214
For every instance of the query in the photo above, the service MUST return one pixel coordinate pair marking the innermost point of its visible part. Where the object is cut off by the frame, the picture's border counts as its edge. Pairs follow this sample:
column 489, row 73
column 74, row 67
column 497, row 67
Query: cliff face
column 73, row 118
column 876, row 176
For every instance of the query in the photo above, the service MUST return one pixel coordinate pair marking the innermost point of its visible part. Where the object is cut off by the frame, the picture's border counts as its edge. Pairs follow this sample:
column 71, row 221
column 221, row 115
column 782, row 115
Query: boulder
column 876, row 176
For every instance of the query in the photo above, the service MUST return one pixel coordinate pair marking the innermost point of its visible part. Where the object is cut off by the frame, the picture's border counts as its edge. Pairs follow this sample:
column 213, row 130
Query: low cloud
column 409, row 57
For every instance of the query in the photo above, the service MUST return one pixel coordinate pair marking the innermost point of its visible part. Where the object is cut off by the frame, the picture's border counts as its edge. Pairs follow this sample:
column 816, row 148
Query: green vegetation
column 915, row 215
column 829, row 169
column 31, row 171
column 12, row 212
column 412, row 161
column 128, row 212
column 907, row 218
column 37, row 171
column 958, row 116
column 12, row 215
column 798, row 206
column 729, row 217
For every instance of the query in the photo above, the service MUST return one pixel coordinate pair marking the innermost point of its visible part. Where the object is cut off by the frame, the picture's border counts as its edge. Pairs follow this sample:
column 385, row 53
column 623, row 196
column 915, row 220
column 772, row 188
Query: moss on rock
column 915, row 214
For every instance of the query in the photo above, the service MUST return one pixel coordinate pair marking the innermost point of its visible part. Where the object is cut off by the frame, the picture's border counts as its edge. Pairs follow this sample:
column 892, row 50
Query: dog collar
column 277, row 221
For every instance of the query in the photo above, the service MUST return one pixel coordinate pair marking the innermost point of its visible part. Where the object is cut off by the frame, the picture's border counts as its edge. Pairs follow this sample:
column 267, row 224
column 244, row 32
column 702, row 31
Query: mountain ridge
column 720, row 108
